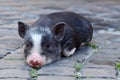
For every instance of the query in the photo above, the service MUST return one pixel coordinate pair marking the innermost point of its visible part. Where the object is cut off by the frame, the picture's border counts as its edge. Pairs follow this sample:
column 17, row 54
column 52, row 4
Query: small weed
column 33, row 73
column 117, row 65
column 92, row 45
column 77, row 76
column 37, row 67
column 78, row 66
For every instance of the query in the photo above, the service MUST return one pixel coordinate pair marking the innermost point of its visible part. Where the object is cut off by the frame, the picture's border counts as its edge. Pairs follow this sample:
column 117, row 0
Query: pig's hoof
column 67, row 53
column 82, row 44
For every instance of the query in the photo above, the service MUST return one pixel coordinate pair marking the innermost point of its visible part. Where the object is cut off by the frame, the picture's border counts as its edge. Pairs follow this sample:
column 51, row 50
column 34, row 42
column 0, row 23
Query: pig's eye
column 29, row 44
column 47, row 45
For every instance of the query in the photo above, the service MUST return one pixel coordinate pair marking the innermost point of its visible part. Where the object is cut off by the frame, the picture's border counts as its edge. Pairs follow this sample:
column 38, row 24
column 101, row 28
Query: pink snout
column 35, row 63
column 35, row 60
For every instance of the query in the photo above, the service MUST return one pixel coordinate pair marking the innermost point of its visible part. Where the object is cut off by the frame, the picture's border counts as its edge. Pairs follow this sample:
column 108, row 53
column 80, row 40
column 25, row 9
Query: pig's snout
column 35, row 60
column 35, row 63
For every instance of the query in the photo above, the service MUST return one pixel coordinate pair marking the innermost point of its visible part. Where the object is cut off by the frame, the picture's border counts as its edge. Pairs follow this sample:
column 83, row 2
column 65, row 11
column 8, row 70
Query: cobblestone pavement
column 87, row 64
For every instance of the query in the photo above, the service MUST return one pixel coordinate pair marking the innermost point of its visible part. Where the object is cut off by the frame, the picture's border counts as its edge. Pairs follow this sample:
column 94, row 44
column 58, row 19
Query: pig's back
column 81, row 27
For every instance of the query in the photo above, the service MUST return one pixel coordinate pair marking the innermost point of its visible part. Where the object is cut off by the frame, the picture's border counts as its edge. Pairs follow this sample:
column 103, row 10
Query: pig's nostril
column 35, row 63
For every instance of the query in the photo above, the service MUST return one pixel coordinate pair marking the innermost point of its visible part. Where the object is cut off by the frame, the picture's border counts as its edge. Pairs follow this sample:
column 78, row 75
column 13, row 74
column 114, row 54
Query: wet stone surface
column 93, row 64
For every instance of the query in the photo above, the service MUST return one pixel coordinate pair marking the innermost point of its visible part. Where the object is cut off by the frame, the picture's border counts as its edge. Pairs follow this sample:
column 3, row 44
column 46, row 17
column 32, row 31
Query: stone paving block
column 92, row 65
column 9, row 47
column 97, row 9
column 14, row 73
column 108, row 51
column 98, row 27
column 115, row 39
column 98, row 72
column 55, row 78
column 3, row 53
column 3, row 22
column 13, row 79
column 9, row 13
column 57, row 71
column 108, row 54
column 65, row 63
column 10, row 26
column 4, row 32
column 102, row 59
column 107, row 57
column 12, row 63
column 81, row 11
column 103, row 62
column 97, row 66
column 107, row 38
column 112, row 45
column 14, row 60
column 112, row 15
column 13, row 40
column 24, row 9
column 111, row 23
column 14, row 17
column 15, row 26
column 9, row 43
column 14, row 56
column 116, row 7
column 95, row 19
column 98, row 79
column 10, row 3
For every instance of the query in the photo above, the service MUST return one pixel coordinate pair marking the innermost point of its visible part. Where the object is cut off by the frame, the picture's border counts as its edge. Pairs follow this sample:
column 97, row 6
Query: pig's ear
column 59, row 31
column 22, row 27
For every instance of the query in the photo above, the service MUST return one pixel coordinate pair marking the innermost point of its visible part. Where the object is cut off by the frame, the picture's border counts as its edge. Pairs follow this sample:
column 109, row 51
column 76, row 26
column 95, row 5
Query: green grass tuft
column 92, row 45
column 77, row 76
column 33, row 73
column 117, row 65
column 78, row 66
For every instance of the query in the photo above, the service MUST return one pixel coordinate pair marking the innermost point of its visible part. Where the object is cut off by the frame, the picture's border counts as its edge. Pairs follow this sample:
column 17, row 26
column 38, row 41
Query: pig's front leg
column 68, row 53
column 69, row 49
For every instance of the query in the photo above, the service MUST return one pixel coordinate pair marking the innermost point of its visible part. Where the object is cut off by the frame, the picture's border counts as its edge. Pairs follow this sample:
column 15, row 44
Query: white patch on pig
column 69, row 53
column 46, row 29
column 36, row 39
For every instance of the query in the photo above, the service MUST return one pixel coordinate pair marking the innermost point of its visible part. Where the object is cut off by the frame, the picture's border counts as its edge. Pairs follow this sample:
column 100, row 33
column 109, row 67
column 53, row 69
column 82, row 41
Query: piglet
column 54, row 35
